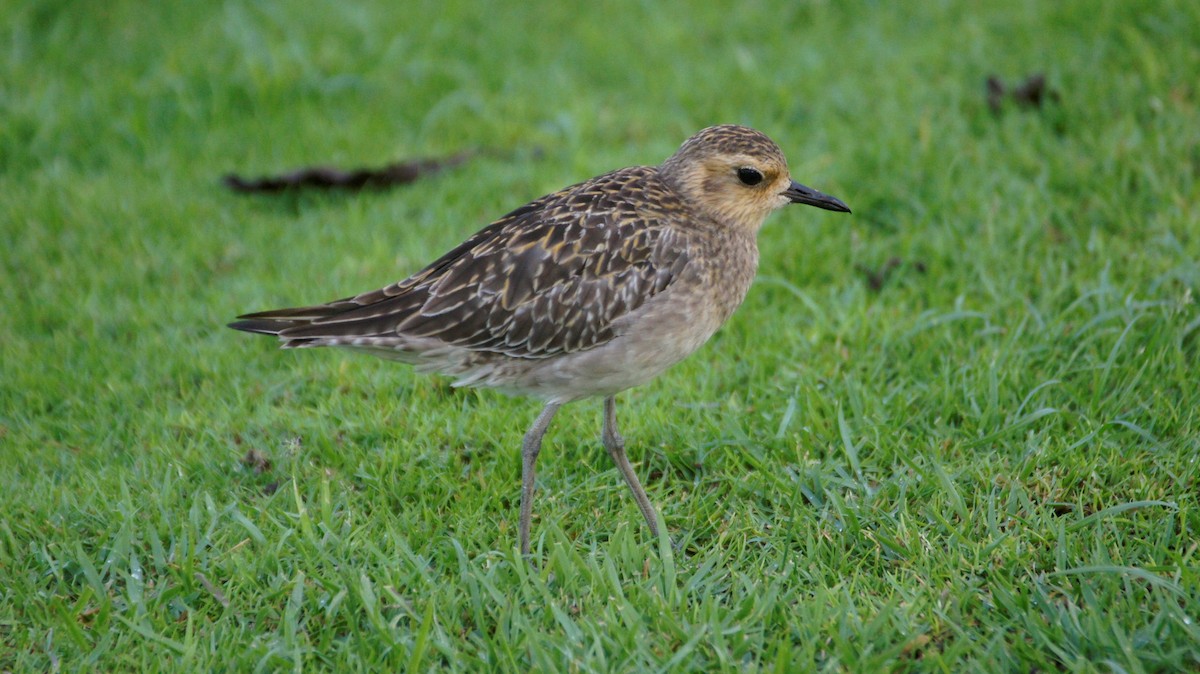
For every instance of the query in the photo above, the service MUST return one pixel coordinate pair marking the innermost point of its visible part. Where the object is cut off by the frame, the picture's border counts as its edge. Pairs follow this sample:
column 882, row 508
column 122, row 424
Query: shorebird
column 586, row 292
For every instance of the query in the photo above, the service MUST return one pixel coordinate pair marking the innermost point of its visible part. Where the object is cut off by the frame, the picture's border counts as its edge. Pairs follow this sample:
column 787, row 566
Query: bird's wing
column 551, row 277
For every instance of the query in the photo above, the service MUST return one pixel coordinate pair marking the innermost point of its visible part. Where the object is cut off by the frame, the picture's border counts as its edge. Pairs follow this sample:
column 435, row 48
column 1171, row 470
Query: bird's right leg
column 529, row 454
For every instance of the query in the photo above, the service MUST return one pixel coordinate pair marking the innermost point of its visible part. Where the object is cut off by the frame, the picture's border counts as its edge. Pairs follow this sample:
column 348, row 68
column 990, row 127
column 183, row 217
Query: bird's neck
column 733, row 255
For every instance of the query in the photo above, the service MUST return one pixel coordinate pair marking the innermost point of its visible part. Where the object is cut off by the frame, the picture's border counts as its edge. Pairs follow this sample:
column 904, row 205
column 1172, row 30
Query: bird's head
column 738, row 176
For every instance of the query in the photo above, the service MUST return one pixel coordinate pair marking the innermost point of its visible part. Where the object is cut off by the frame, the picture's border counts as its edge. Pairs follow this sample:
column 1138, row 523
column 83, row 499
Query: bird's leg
column 615, row 445
column 529, row 454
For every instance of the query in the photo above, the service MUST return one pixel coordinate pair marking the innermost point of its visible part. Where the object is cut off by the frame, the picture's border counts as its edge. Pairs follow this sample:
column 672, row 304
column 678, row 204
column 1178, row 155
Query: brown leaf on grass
column 327, row 177
column 87, row 616
column 916, row 646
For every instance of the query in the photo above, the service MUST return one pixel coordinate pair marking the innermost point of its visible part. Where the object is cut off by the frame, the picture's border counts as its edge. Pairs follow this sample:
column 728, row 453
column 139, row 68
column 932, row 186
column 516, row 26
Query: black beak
column 799, row 194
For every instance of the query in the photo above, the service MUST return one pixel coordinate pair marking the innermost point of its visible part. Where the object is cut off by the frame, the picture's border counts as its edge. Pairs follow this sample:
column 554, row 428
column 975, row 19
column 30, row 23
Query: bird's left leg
column 615, row 445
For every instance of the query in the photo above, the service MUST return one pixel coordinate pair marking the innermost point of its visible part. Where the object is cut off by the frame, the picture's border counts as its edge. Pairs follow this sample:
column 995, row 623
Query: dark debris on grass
column 877, row 278
column 1032, row 92
column 327, row 177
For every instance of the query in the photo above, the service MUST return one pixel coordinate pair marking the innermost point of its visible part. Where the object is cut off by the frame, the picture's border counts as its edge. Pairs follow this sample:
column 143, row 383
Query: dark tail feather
column 264, row 326
column 276, row 321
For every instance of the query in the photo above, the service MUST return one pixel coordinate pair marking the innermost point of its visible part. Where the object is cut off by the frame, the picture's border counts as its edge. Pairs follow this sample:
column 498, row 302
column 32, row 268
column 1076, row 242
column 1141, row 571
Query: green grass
column 990, row 463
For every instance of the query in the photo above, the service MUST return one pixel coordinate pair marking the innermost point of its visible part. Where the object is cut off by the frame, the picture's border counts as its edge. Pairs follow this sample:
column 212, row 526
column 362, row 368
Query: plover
column 583, row 293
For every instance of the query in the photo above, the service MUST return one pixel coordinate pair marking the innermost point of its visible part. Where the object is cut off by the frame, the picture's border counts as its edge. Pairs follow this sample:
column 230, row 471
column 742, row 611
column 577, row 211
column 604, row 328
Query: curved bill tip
column 799, row 194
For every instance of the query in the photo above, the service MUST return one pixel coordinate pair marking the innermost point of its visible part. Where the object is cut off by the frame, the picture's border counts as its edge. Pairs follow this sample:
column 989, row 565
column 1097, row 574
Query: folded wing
column 551, row 277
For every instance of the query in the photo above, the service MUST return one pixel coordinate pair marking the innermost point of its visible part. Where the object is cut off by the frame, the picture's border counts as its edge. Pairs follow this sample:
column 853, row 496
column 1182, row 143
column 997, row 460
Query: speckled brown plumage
column 547, row 279
column 585, row 292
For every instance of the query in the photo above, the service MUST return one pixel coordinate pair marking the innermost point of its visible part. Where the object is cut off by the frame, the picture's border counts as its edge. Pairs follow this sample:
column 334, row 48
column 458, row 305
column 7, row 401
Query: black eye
column 749, row 176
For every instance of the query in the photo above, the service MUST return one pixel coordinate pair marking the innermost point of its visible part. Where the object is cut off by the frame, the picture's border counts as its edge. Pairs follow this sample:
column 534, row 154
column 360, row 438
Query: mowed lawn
column 955, row 431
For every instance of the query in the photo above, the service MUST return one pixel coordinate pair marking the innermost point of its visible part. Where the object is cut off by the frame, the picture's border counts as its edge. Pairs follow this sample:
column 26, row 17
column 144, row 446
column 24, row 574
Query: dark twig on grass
column 326, row 177
column 1031, row 93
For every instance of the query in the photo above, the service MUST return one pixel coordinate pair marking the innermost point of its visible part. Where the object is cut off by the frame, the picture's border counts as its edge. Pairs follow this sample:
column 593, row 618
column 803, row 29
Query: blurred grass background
column 989, row 462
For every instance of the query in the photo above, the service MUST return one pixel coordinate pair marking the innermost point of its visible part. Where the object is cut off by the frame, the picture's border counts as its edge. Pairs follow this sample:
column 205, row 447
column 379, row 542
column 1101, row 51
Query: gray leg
column 615, row 445
column 529, row 454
